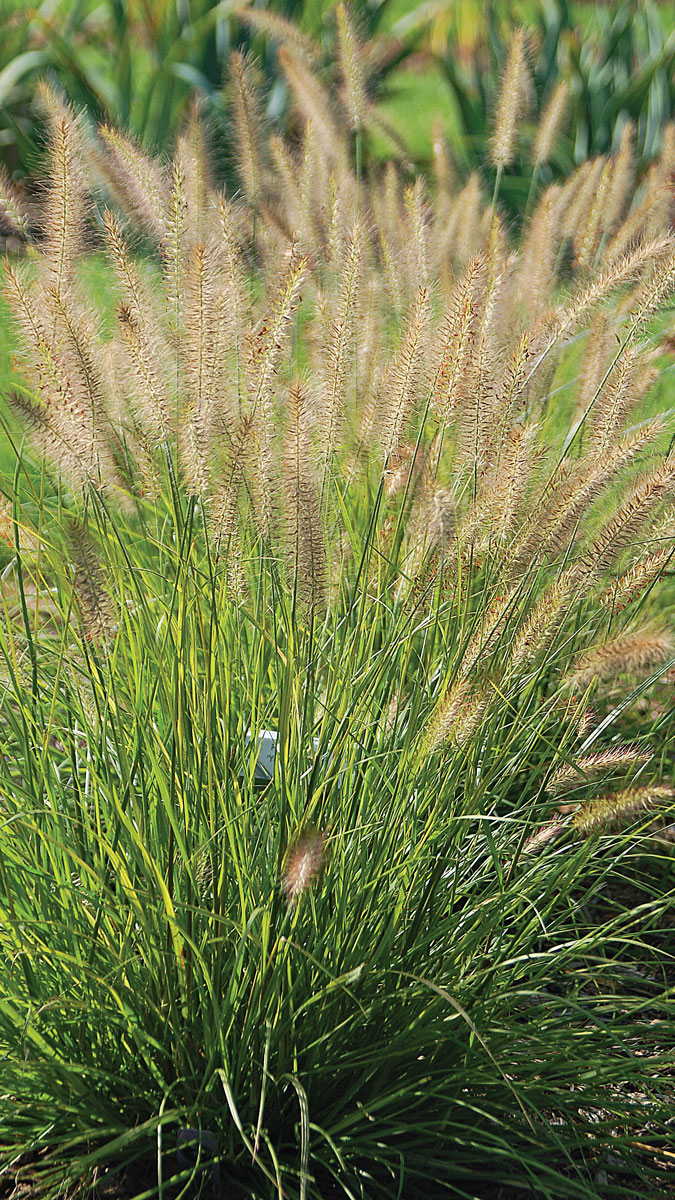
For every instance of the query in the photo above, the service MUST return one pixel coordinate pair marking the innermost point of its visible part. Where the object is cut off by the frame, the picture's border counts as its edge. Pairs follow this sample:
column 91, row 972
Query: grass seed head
column 630, row 653
column 513, row 103
column 304, row 864
column 611, row 813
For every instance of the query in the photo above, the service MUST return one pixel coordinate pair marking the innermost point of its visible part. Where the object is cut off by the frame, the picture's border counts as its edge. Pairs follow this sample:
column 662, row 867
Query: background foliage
column 139, row 63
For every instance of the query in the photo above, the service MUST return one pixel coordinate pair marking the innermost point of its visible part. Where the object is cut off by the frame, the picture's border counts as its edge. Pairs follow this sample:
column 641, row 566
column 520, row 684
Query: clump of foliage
column 337, row 473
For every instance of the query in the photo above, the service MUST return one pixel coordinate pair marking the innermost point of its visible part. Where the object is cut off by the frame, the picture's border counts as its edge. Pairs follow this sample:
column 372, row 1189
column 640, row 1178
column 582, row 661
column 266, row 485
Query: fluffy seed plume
column 505, row 488
column 629, row 380
column 60, row 419
column 612, row 812
column 416, row 208
column 276, row 27
column 467, row 221
column 542, row 836
column 351, row 68
column 653, row 293
column 304, row 863
column 85, row 423
column 247, row 124
column 599, row 352
column 14, row 211
column 550, row 122
column 93, row 603
column 629, row 519
column 138, row 180
column 458, row 336
column 539, row 253
column 46, row 438
column 623, row 174
column 313, row 103
column 629, row 652
column 575, row 489
column 140, row 335
column 576, row 774
column 591, row 225
column 637, row 579
column 512, row 103
column 198, row 351
column 614, row 276
column 306, row 547
column 192, row 160
column 271, row 343
column 340, row 347
column 64, row 214
column 457, row 716
column 224, row 509
column 234, row 283
column 172, row 248
column 486, row 634
column 543, row 623
column 405, row 376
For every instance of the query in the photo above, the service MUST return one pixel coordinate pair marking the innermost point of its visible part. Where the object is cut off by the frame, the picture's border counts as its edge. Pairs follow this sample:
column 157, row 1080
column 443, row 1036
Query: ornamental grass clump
column 343, row 460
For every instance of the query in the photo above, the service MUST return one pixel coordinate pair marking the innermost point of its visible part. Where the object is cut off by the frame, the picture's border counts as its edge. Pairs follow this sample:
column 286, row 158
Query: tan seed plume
column 629, row 652
column 304, row 863
column 512, row 104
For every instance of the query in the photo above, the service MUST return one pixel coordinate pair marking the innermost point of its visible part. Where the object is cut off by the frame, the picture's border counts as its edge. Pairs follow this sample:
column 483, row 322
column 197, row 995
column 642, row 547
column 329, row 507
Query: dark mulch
column 126, row 1183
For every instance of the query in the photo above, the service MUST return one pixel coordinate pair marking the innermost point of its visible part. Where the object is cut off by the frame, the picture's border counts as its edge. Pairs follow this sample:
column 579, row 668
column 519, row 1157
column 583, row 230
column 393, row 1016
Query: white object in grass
column 267, row 752
column 266, row 744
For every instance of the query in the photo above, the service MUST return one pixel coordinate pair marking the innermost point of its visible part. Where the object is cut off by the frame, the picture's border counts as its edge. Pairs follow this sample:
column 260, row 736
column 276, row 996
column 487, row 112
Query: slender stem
column 359, row 165
column 534, row 183
column 495, row 194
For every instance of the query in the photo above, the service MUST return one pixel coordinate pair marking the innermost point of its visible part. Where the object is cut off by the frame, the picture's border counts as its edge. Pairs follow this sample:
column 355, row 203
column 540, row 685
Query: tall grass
column 330, row 478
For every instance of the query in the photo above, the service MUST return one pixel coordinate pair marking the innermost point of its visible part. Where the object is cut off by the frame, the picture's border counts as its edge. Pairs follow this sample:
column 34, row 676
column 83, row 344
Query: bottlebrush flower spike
column 634, row 652
column 14, row 211
column 247, row 111
column 304, row 863
column 351, row 68
column 542, row 836
column 513, row 103
column 550, row 123
column 611, row 812
column 97, row 616
column 616, row 758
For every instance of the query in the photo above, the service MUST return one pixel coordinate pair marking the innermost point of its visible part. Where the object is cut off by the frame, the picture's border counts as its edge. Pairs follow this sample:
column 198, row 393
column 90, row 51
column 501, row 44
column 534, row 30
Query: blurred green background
column 138, row 64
